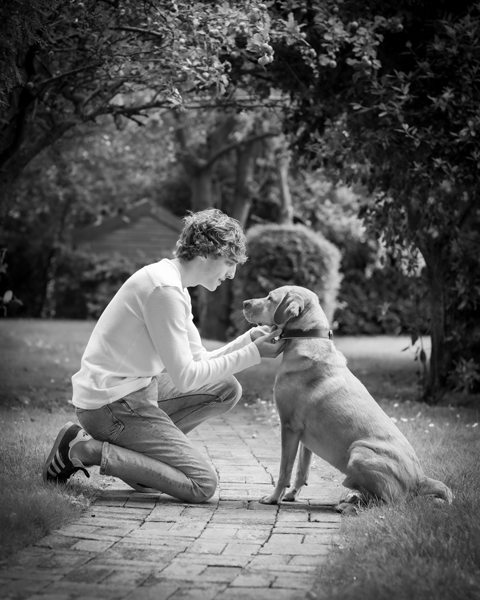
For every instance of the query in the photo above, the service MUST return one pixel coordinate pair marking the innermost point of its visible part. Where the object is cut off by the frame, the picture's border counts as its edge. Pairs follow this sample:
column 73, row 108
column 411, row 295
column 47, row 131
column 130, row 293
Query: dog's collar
column 309, row 333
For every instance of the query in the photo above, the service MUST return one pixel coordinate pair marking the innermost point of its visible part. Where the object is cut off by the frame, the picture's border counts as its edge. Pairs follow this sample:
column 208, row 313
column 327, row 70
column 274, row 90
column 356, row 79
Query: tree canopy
column 68, row 62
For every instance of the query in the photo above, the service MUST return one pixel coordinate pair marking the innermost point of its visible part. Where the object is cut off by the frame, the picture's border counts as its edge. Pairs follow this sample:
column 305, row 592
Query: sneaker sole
column 54, row 449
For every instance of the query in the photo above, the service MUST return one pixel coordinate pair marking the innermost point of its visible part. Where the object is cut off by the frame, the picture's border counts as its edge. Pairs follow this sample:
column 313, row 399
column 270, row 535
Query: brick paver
column 131, row 546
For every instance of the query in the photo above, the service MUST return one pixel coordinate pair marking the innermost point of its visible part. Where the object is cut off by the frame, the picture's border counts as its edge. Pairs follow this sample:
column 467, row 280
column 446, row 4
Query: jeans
column 144, row 437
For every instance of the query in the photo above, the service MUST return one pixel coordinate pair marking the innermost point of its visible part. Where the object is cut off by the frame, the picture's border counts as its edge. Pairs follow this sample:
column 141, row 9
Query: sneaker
column 59, row 466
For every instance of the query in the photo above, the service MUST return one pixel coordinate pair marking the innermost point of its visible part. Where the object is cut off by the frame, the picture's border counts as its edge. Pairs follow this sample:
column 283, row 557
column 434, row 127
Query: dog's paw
column 347, row 509
column 291, row 495
column 272, row 499
column 352, row 498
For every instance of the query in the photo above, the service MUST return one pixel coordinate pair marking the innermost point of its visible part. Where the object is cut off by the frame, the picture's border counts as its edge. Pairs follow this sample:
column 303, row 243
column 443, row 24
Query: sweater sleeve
column 168, row 319
column 240, row 342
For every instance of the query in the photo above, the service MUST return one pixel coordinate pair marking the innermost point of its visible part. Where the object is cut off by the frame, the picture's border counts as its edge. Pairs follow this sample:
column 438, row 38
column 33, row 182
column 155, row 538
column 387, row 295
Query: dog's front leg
column 301, row 477
column 290, row 441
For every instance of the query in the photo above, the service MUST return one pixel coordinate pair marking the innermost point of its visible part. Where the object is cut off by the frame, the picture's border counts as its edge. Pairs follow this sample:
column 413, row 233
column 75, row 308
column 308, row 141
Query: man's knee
column 232, row 392
column 204, row 488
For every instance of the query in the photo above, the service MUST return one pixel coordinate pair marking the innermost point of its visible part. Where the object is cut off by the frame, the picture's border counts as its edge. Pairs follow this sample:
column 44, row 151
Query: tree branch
column 14, row 165
column 139, row 109
column 139, row 30
column 234, row 145
column 111, row 93
column 68, row 73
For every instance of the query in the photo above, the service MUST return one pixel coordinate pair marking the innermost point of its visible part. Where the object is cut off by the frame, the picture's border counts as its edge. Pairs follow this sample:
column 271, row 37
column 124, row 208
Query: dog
column 324, row 409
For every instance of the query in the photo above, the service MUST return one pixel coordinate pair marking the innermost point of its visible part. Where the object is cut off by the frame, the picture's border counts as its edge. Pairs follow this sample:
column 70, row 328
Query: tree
column 431, row 114
column 396, row 106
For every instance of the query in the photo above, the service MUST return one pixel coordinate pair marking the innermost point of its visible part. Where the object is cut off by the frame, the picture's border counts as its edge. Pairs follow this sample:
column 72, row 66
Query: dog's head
column 286, row 303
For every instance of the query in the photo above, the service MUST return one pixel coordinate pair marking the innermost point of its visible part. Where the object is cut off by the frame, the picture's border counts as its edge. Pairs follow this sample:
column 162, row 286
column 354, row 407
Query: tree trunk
column 62, row 205
column 243, row 194
column 286, row 210
column 202, row 188
column 214, row 310
column 440, row 357
column 199, row 165
column 215, row 307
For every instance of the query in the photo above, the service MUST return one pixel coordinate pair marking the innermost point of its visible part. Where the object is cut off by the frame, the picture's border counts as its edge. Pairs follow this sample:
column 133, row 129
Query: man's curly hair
column 210, row 232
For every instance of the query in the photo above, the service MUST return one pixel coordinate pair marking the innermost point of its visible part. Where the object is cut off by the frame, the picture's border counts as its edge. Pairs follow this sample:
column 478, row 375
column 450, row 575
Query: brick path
column 131, row 546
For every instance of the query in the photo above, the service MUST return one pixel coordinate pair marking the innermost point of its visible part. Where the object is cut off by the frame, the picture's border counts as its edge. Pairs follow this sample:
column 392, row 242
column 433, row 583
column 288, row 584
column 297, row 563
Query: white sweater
column 147, row 329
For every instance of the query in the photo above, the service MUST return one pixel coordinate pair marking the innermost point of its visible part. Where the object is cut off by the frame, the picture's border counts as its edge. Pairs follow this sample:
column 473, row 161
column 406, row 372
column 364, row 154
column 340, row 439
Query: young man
column 146, row 380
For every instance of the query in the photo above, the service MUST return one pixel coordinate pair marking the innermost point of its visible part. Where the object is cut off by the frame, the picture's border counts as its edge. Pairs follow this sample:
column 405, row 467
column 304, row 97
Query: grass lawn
column 413, row 550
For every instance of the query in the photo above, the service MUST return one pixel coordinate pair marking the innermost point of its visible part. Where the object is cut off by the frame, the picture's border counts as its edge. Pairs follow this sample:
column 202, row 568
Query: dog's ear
column 291, row 306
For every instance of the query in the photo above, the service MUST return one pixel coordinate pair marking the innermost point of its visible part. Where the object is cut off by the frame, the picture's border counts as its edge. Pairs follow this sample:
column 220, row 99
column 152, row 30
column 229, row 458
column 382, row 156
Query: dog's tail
column 433, row 487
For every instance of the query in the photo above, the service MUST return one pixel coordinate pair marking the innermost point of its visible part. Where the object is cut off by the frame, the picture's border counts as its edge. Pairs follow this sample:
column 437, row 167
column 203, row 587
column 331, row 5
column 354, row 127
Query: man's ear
column 291, row 306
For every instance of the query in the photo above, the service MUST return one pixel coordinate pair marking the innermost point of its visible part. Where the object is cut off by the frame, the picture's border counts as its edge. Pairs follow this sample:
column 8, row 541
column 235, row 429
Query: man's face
column 216, row 270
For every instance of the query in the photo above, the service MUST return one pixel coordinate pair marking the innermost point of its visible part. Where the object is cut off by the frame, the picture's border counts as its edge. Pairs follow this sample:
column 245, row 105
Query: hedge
column 286, row 255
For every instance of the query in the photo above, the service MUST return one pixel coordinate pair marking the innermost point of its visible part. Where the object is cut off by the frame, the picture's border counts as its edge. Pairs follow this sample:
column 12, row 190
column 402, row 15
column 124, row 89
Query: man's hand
column 260, row 331
column 268, row 347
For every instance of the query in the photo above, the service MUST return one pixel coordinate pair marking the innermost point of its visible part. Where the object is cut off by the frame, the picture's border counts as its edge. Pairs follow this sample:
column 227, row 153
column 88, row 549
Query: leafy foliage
column 398, row 110
column 21, row 26
column 381, row 301
column 376, row 295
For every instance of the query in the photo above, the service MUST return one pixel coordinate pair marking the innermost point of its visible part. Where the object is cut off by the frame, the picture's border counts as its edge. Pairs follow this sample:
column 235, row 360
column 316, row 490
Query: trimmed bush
column 286, row 255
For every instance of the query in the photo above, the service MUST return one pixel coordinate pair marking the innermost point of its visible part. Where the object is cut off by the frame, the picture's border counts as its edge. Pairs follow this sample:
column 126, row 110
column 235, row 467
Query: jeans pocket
column 102, row 424
column 115, row 427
